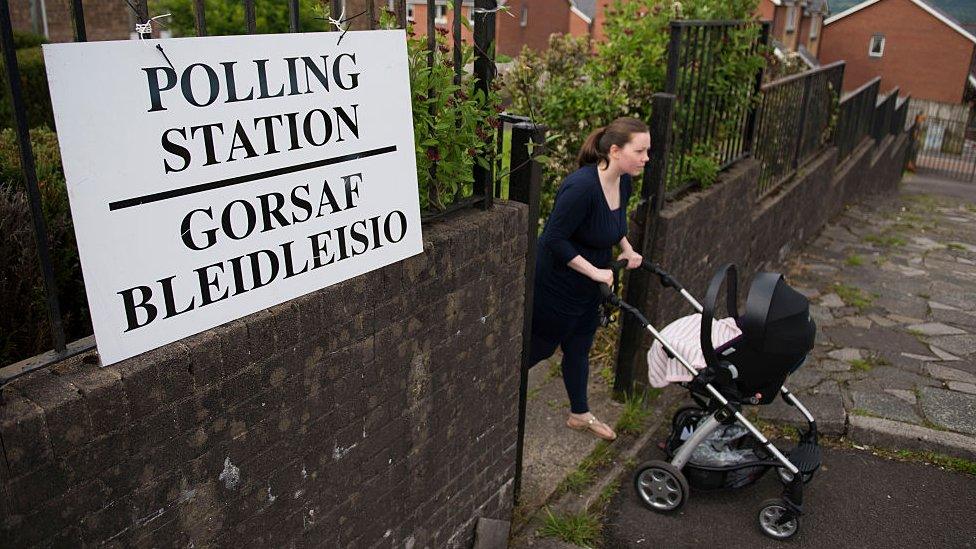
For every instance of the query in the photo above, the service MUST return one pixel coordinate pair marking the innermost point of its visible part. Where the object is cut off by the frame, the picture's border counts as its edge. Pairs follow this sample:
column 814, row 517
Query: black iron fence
column 797, row 116
column 714, row 71
column 856, row 117
column 478, row 193
column 899, row 121
column 884, row 115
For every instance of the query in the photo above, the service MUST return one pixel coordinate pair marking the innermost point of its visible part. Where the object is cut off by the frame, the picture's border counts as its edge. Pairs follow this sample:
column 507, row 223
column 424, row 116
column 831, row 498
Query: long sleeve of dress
column 572, row 204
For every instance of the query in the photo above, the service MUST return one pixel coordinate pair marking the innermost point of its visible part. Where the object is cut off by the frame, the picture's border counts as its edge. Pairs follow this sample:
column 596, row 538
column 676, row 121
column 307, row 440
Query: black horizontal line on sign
column 156, row 197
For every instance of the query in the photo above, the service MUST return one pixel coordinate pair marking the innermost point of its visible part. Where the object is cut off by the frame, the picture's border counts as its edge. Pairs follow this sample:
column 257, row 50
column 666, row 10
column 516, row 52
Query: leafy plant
column 226, row 17
column 581, row 529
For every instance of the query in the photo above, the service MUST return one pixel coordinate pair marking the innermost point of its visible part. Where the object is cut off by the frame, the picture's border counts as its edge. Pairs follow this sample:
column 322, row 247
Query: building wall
column 545, row 17
column 577, row 26
column 922, row 56
column 381, row 411
column 420, row 23
column 104, row 19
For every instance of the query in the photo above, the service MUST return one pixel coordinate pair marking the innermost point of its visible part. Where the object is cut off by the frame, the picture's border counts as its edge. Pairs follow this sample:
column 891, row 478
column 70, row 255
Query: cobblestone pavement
column 893, row 291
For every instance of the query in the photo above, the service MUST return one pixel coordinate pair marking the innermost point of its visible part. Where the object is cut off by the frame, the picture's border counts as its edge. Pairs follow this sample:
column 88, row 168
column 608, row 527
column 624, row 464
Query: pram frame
column 778, row 518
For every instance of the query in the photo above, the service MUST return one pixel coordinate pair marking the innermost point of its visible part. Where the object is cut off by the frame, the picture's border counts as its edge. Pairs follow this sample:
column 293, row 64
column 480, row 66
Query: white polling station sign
column 210, row 178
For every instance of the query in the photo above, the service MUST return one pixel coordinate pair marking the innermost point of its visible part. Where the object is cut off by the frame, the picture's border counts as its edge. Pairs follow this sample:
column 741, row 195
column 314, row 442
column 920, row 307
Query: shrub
column 574, row 87
column 28, row 40
column 24, row 328
column 34, row 91
column 226, row 17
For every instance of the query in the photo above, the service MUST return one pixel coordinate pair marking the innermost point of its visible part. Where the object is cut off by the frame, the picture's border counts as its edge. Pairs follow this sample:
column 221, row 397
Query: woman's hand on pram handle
column 631, row 259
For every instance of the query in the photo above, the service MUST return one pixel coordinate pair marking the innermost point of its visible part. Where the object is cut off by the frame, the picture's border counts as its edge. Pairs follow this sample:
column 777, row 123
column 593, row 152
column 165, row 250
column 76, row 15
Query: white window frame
column 791, row 12
column 440, row 14
column 410, row 12
column 524, row 19
column 872, row 43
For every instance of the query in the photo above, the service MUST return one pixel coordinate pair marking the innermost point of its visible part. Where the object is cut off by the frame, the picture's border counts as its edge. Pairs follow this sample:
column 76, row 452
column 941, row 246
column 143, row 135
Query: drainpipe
column 44, row 18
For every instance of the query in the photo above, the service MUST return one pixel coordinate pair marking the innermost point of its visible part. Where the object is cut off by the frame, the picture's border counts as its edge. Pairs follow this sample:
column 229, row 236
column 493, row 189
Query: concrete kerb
column 886, row 433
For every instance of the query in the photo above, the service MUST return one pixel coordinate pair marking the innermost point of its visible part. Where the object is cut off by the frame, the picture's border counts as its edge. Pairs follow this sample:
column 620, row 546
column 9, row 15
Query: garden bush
column 34, row 91
column 24, row 327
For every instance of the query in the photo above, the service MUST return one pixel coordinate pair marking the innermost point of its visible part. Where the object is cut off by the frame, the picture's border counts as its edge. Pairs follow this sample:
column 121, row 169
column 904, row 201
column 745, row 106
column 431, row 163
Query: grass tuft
column 637, row 408
column 853, row 296
column 581, row 529
column 855, row 260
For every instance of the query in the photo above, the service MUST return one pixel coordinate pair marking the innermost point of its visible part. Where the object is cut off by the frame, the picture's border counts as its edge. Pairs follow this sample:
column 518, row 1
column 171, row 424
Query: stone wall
column 379, row 411
column 726, row 223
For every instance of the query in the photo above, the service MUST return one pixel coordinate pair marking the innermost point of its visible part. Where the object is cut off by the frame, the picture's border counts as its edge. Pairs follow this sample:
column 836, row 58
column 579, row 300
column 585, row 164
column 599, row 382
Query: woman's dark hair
column 596, row 148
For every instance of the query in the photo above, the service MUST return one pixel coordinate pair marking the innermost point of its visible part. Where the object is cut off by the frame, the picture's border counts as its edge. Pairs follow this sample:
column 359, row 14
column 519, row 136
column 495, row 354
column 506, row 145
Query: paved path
column 857, row 500
column 893, row 288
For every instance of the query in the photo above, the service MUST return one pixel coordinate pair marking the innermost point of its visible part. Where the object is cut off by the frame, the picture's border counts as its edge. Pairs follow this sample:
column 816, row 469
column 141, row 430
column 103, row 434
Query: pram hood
column 777, row 331
column 777, row 318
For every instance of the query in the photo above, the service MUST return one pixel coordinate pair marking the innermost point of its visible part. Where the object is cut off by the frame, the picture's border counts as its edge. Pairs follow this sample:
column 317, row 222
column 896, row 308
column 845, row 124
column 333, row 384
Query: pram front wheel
column 661, row 486
column 771, row 520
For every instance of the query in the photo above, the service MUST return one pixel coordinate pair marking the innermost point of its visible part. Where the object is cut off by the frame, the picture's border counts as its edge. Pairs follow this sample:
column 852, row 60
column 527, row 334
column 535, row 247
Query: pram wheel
column 661, row 486
column 770, row 520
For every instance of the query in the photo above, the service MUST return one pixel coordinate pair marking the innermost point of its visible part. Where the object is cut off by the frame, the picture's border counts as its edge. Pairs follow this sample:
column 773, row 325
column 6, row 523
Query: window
column 440, row 14
column 815, row 26
column 791, row 12
column 409, row 12
column 525, row 16
column 877, row 45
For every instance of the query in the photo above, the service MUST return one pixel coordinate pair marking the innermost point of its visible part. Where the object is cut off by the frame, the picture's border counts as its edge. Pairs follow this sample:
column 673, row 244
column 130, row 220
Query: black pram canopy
column 777, row 318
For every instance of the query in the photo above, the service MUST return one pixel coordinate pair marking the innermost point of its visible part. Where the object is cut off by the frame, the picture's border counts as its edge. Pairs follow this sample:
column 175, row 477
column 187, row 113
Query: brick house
column 524, row 23
column 104, row 19
column 908, row 43
column 796, row 25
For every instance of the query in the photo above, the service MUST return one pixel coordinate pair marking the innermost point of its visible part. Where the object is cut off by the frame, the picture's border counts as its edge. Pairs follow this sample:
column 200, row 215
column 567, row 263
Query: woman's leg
column 540, row 349
column 576, row 368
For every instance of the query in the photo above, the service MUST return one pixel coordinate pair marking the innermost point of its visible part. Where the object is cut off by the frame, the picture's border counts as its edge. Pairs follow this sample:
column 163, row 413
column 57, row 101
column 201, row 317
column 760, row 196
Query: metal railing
column 714, row 112
column 856, row 117
column 797, row 115
column 899, row 122
column 480, row 193
column 884, row 114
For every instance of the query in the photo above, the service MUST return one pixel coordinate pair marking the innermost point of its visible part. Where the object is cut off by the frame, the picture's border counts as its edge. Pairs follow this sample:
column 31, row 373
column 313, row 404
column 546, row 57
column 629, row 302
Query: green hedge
column 27, row 40
column 33, row 81
column 24, row 327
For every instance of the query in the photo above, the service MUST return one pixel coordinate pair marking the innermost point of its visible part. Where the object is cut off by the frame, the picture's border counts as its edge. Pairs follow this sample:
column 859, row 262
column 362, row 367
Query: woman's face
column 633, row 155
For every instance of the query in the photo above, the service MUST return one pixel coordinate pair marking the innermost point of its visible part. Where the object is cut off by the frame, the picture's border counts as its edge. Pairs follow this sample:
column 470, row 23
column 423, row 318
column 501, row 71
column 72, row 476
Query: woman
column 587, row 220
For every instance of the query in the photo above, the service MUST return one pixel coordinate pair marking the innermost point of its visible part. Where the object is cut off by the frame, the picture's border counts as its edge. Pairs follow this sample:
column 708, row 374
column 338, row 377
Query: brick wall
column 380, row 411
column 104, row 19
column 544, row 18
column 922, row 55
column 725, row 223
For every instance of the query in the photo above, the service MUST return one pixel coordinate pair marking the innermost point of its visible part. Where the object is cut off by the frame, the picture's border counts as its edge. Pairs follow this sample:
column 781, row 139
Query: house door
column 944, row 149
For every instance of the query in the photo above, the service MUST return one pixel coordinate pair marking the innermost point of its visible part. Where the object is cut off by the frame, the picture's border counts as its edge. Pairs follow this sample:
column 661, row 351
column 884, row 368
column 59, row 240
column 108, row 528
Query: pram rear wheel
column 661, row 486
column 770, row 520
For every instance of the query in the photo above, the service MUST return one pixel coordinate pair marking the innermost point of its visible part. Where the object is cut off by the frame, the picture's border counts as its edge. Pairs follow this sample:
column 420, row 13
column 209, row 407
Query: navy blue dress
column 565, row 307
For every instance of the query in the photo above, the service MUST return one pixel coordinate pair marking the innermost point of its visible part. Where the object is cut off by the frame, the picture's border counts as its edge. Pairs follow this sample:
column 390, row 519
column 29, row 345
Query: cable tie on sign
column 145, row 29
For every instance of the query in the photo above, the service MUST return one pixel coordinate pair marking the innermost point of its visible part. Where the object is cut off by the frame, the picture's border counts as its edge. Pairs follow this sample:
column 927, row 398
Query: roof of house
column 935, row 12
column 586, row 9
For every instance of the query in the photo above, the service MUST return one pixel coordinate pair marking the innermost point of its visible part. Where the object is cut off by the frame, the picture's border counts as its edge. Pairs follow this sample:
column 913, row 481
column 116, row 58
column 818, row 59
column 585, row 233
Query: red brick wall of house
column 104, row 19
column 544, row 18
column 420, row 23
column 599, row 19
column 577, row 26
column 922, row 56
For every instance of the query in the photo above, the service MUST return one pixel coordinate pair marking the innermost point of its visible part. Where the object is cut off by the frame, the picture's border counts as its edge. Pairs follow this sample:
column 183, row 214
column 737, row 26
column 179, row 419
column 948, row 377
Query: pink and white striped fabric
column 684, row 337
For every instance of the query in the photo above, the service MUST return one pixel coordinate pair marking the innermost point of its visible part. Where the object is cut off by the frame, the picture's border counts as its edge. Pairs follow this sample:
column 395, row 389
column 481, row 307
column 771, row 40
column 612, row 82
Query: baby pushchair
column 777, row 333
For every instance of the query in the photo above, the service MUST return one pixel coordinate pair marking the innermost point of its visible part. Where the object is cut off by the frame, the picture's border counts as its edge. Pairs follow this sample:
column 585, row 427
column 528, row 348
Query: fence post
column 525, row 185
column 754, row 106
column 30, row 176
column 484, row 73
column 648, row 209
column 78, row 21
column 804, row 107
